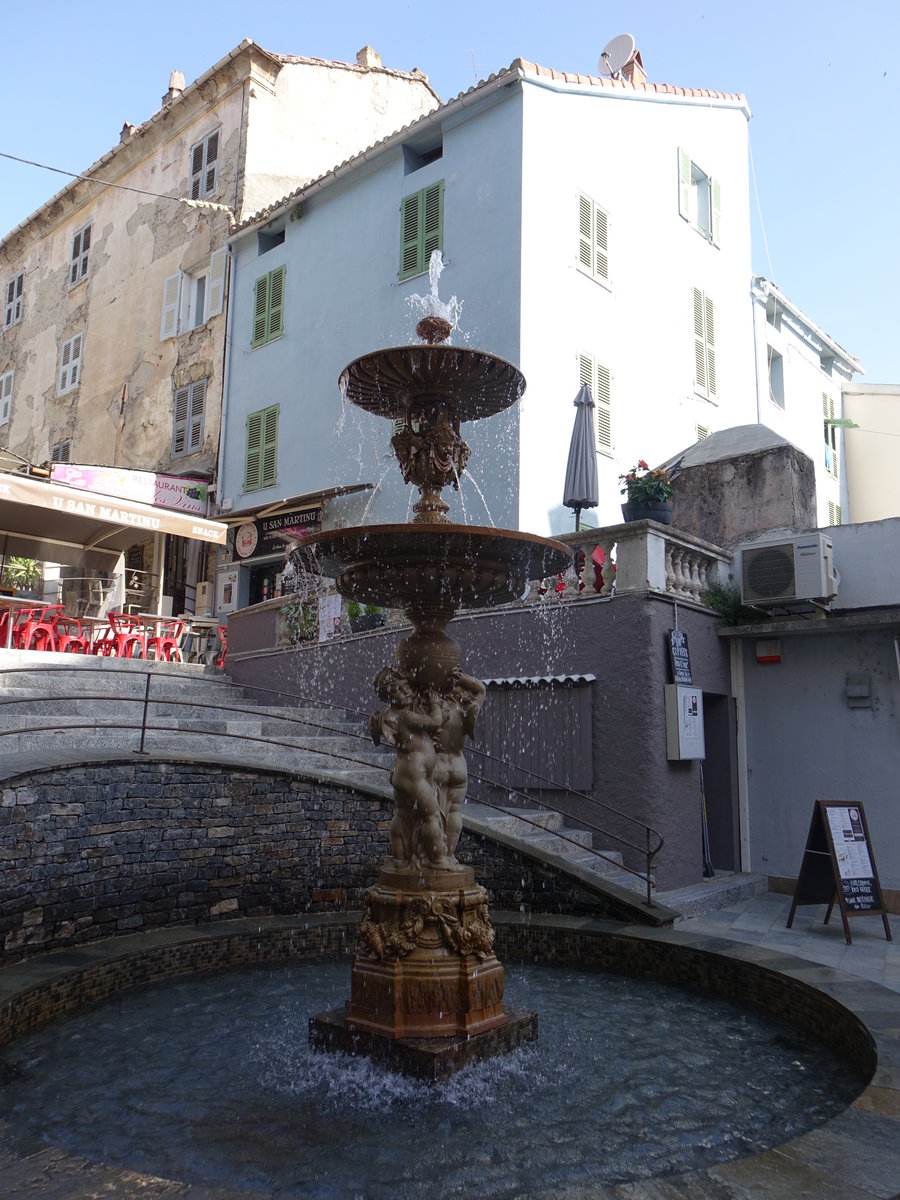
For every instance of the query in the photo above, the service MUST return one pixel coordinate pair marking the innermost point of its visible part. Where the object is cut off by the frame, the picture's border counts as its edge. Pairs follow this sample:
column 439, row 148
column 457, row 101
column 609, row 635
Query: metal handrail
column 146, row 726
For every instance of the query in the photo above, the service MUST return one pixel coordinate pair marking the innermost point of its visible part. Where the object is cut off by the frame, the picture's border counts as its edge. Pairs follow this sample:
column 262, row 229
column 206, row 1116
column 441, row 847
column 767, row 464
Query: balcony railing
column 640, row 556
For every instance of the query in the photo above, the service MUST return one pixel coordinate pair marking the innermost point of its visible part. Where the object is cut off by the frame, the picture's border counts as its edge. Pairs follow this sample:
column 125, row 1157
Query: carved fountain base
column 426, row 994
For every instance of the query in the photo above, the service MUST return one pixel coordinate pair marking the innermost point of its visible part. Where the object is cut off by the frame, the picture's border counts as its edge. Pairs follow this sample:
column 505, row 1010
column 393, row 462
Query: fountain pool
column 214, row 1085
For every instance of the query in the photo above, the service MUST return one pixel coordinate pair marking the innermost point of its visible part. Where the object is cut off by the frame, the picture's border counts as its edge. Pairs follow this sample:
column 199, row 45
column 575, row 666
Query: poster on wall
column 838, row 866
column 227, row 590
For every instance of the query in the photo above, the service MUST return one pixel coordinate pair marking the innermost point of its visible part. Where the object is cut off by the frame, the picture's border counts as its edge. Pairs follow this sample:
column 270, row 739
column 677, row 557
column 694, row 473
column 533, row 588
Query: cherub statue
column 459, row 709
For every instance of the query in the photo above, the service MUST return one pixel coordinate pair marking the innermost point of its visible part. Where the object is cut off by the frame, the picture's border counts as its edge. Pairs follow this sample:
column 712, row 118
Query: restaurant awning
column 54, row 523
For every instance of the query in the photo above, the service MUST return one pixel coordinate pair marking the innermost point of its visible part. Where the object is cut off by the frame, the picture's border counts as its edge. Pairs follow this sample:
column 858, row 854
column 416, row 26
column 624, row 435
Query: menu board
column 839, row 866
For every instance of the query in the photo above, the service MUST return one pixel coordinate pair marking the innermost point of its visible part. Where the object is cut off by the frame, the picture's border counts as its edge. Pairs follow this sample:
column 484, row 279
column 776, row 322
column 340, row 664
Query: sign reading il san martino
column 166, row 491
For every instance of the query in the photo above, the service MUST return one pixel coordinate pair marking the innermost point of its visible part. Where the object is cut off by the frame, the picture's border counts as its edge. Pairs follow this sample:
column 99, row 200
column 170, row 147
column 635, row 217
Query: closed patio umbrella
column 581, row 489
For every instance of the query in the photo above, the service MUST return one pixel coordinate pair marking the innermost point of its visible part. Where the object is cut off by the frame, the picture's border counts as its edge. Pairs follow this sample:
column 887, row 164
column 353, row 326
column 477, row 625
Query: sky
column 822, row 79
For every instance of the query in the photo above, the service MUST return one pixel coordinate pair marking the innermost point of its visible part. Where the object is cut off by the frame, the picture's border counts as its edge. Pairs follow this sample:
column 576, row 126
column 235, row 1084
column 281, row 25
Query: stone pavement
column 762, row 921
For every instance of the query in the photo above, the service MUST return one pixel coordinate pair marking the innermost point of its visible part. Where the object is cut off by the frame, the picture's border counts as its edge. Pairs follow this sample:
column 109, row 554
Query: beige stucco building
column 870, row 449
column 112, row 326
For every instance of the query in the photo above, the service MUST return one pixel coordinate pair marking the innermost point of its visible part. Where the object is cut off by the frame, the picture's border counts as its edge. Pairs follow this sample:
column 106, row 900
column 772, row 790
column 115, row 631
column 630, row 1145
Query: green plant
column 644, row 486
column 354, row 608
column 21, row 572
column 725, row 599
column 372, row 610
column 300, row 622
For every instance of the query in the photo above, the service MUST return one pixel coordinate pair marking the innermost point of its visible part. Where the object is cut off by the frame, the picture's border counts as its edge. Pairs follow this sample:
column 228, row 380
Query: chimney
column 176, row 87
column 633, row 71
column 127, row 131
column 368, row 58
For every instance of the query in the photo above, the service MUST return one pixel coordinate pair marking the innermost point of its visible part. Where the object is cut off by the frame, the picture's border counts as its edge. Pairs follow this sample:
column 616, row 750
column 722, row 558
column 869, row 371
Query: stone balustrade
column 640, row 556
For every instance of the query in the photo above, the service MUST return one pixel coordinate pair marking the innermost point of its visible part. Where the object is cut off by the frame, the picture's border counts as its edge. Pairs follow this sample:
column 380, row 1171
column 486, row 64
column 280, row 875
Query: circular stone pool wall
column 35, row 992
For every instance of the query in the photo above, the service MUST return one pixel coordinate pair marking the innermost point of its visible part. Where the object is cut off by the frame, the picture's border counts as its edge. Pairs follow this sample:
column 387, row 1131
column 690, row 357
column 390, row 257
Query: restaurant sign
column 267, row 534
column 165, row 491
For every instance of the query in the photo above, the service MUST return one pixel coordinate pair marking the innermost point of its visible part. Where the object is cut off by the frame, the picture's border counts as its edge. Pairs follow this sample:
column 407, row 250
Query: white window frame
column 775, row 375
column 6, row 387
column 705, row 375
column 181, row 308
column 188, row 417
column 70, row 364
column 15, row 300
column 203, row 168
column 699, row 198
column 598, row 377
column 80, row 256
column 593, row 239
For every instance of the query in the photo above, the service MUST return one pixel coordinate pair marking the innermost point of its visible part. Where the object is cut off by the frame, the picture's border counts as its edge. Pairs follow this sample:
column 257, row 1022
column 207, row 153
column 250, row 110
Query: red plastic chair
column 33, row 628
column 166, row 644
column 222, row 631
column 128, row 637
column 70, row 638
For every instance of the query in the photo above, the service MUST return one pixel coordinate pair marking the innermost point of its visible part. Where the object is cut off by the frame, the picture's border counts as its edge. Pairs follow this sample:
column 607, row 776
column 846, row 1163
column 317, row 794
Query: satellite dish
column 616, row 55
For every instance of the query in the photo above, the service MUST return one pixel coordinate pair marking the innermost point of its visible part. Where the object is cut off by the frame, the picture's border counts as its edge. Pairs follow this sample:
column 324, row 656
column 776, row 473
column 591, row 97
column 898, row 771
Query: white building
column 872, row 411
column 800, row 374
column 595, row 230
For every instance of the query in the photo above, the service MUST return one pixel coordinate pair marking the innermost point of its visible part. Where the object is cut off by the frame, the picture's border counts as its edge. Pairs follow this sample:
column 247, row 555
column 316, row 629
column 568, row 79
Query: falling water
column 431, row 305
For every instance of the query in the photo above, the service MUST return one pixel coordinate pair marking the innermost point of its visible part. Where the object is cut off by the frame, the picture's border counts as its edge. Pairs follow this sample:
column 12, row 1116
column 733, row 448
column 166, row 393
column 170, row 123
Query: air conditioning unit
column 782, row 573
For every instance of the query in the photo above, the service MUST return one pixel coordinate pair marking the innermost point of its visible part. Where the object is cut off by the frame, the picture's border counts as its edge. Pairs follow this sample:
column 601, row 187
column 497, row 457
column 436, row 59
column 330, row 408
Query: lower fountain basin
column 354, row 1112
column 454, row 566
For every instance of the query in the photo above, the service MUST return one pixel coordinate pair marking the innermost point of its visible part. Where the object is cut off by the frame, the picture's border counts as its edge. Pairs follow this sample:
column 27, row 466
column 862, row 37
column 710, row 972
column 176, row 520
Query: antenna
column 615, row 55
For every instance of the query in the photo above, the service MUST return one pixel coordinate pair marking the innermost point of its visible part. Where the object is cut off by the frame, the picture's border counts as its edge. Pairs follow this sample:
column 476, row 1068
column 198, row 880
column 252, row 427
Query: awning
column 54, row 523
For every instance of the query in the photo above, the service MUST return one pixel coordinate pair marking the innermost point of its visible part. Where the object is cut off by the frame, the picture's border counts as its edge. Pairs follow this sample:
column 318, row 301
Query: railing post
column 144, row 717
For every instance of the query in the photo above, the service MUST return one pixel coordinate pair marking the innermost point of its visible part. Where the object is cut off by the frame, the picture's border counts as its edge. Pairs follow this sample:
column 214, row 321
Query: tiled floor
column 762, row 921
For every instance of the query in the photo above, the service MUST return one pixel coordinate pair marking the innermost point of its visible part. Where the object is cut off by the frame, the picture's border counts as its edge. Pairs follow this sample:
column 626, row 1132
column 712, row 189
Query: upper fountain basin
column 472, row 383
column 454, row 566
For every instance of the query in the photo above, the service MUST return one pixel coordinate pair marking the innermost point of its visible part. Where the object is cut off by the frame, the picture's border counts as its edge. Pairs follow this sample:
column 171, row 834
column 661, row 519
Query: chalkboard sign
column 679, row 657
column 838, row 865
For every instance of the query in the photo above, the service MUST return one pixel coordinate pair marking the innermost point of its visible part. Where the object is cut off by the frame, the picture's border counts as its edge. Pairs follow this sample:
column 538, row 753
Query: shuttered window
column 262, row 449
column 704, row 345
column 699, row 198
column 61, row 452
column 422, row 229
column 597, row 377
column 205, row 166
column 831, row 438
column 15, row 291
column 6, row 386
column 70, row 364
column 593, row 238
column 190, row 401
column 81, row 256
column 268, row 307
column 834, row 513
column 190, row 299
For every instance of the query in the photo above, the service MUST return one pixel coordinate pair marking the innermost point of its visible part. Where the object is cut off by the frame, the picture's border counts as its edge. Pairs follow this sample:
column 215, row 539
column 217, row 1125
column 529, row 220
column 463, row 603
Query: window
column 593, row 239
column 702, row 432
column 831, row 437
column 268, row 241
column 62, row 451
column 262, row 447
column 422, row 229
column 70, row 364
column 598, row 378
column 414, row 158
column 704, row 345
column 776, row 377
column 834, row 513
column 191, row 298
column 14, row 300
column 205, row 166
column 187, row 433
column 6, row 384
column 699, row 198
column 81, row 256
column 268, row 307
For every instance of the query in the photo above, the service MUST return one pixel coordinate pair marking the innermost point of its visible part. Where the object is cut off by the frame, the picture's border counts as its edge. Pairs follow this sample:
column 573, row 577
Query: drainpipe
column 226, row 372
column 743, row 779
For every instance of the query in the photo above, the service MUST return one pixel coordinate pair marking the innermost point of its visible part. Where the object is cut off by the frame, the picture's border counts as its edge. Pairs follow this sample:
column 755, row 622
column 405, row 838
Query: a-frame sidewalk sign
column 838, row 865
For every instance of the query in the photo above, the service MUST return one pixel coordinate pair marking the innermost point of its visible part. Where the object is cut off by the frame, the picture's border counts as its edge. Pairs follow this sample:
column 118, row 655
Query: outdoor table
column 8, row 607
column 201, row 640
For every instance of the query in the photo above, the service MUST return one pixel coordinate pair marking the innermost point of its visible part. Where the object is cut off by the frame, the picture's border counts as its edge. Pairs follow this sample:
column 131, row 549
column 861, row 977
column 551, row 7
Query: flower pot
column 648, row 510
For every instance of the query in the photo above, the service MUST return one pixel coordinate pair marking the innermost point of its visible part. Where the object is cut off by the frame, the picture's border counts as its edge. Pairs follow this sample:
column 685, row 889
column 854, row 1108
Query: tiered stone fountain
column 426, row 987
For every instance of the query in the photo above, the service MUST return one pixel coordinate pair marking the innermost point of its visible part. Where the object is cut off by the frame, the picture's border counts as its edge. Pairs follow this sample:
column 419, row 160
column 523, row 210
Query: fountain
column 426, row 987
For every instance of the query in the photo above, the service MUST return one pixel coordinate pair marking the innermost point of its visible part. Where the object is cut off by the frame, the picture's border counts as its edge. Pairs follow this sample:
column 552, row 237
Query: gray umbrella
column 581, row 488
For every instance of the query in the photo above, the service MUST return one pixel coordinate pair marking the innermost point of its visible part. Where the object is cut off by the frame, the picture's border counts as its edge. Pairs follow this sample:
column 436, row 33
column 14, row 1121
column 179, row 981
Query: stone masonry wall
column 91, row 851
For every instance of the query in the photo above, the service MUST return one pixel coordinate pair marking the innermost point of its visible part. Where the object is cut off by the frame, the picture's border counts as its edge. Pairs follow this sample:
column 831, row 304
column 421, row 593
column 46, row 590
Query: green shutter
column 409, row 254
column 715, row 191
column 276, row 304
column 269, row 446
column 422, row 228
column 253, row 462
column 260, row 309
column 684, row 184
column 433, row 233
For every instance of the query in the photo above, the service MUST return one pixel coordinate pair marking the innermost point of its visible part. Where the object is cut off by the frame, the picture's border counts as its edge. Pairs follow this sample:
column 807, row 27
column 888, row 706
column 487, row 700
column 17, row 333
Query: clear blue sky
column 822, row 78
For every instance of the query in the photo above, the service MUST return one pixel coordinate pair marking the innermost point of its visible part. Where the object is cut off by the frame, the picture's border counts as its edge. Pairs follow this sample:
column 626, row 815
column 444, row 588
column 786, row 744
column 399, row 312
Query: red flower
column 643, row 465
